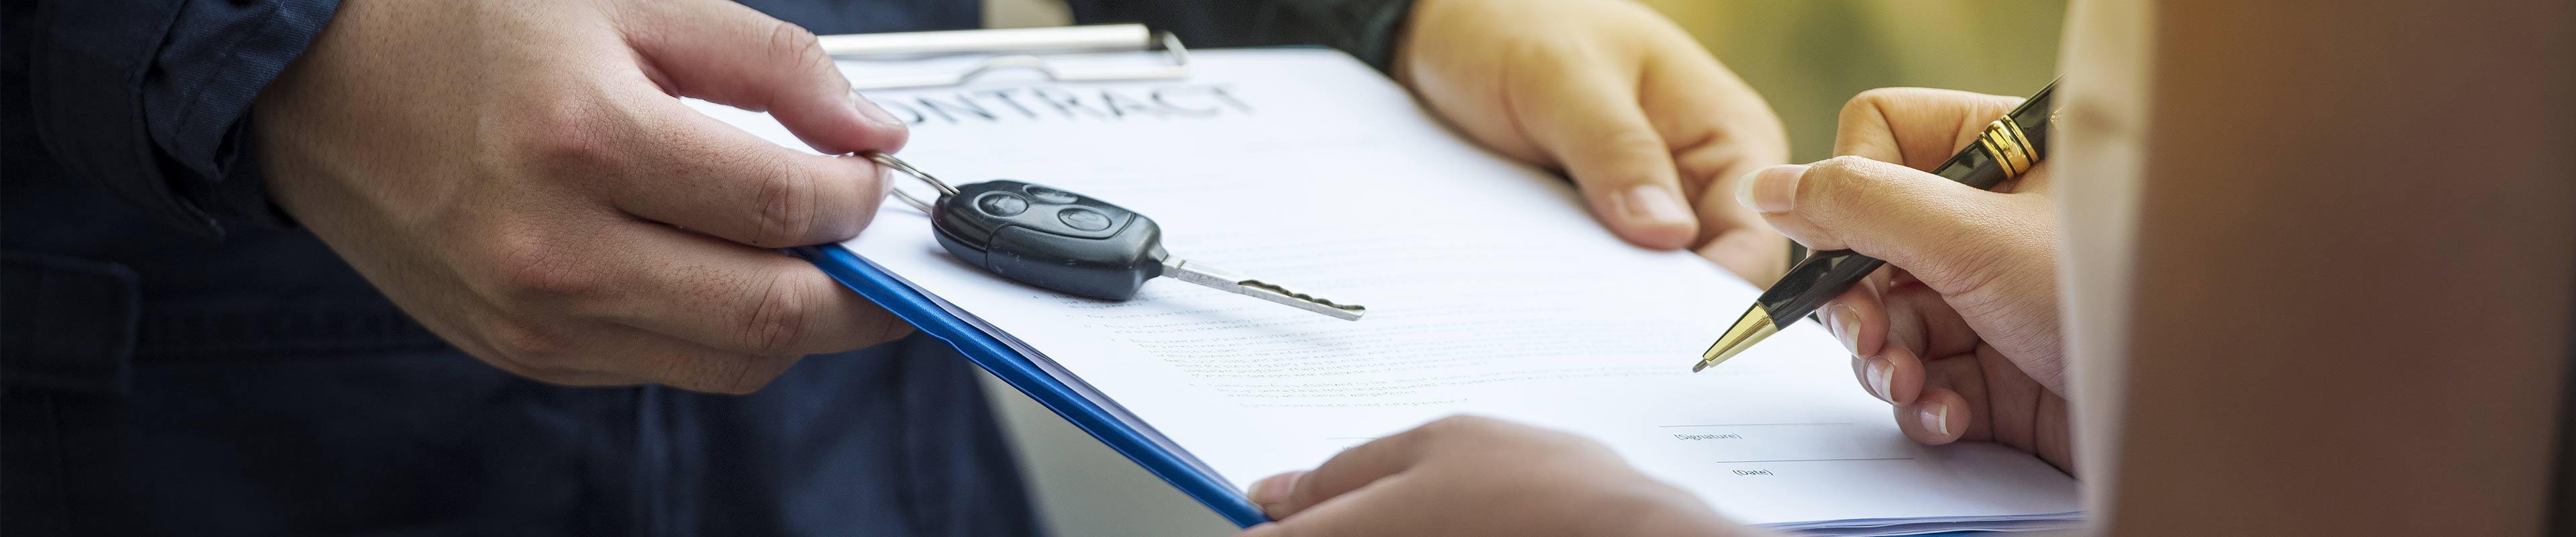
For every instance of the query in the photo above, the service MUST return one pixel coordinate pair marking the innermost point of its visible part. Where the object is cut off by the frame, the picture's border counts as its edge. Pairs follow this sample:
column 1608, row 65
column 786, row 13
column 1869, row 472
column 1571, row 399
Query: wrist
column 1402, row 43
column 241, row 190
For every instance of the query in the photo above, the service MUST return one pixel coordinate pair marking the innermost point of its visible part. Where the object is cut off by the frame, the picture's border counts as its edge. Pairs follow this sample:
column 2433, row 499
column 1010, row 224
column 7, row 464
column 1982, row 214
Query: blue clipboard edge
column 1016, row 370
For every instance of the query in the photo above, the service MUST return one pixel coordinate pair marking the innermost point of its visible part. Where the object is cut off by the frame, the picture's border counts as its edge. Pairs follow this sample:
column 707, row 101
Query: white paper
column 1490, row 291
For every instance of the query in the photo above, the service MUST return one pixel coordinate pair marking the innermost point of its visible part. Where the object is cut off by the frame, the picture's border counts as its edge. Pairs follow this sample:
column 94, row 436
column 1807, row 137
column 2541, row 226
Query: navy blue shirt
column 175, row 357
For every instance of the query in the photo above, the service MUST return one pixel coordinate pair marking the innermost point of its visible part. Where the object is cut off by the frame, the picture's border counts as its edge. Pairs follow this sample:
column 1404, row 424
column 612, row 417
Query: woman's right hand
column 1960, row 332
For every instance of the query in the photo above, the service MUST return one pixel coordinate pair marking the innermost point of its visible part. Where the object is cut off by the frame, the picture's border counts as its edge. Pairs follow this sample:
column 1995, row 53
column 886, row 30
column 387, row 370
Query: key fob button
column 1052, row 195
column 1004, row 204
column 1083, row 219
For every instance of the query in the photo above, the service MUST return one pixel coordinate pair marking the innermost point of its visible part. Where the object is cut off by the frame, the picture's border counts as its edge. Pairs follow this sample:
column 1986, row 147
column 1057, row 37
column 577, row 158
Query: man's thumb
column 726, row 53
column 1926, row 224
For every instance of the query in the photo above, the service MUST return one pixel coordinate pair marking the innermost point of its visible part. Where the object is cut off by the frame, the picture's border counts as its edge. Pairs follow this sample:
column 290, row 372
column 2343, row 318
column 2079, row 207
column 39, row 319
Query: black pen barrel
column 1821, row 277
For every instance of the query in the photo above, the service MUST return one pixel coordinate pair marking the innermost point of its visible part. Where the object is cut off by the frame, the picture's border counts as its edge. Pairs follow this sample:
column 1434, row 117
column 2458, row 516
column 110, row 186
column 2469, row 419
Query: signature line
column 1796, row 460
column 1754, row 424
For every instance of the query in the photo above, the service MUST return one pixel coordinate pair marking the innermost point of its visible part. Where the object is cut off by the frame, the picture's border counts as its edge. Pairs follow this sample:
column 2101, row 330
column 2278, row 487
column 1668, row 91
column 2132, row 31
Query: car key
column 1073, row 243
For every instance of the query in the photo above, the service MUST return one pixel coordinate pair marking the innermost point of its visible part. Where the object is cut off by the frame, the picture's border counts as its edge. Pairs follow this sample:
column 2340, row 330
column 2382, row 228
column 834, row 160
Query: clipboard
column 1007, row 50
column 1125, row 380
column 1014, row 49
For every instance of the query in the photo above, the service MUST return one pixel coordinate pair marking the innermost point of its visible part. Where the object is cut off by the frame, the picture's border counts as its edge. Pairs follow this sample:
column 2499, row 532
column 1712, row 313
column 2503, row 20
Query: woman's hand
column 1615, row 95
column 1960, row 331
column 1483, row 477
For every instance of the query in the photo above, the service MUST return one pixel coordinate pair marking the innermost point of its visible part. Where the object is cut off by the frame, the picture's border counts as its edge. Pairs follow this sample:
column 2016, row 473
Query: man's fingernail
column 1840, row 318
column 875, row 114
column 1654, row 203
column 1274, row 489
column 1879, row 371
column 1936, row 418
column 1771, row 189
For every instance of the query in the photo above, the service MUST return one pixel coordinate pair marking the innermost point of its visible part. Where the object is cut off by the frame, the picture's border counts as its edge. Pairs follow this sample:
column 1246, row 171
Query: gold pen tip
column 1749, row 329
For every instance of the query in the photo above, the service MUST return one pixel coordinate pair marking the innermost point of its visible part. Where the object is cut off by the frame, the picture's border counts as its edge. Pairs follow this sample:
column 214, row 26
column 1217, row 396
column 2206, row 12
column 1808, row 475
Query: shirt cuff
column 1377, row 26
column 218, row 58
column 1367, row 29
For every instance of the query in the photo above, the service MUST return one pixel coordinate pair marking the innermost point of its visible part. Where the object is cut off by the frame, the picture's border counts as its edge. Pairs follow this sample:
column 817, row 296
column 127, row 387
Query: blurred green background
column 1809, row 56
column 1805, row 56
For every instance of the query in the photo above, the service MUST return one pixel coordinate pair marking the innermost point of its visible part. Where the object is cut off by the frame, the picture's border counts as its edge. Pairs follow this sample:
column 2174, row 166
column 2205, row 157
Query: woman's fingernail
column 1936, row 418
column 1654, row 203
column 1879, row 372
column 1274, row 489
column 875, row 114
column 1772, row 189
column 1841, row 319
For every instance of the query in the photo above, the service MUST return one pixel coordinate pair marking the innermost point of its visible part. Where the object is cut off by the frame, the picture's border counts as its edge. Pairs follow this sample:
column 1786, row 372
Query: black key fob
column 1050, row 238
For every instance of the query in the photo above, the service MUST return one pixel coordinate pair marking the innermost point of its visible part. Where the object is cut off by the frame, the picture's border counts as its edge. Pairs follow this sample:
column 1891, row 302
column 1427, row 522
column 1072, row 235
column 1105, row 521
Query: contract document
column 1490, row 291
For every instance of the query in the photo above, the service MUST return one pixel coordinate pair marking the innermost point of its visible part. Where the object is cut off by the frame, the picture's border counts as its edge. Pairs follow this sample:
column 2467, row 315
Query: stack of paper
column 1490, row 291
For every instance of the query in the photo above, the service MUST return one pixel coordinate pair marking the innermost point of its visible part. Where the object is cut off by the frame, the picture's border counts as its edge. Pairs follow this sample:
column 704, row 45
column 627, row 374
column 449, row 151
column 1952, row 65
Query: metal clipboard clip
column 1012, row 49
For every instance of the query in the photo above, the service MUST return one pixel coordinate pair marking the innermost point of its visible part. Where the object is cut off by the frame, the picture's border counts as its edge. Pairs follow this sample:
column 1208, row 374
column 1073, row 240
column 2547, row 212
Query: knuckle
column 1634, row 139
column 534, row 267
column 1859, row 113
column 1531, row 52
column 787, row 207
column 797, row 45
column 1824, row 182
column 1460, row 425
column 562, row 135
column 1578, row 444
column 777, row 324
column 1841, row 165
column 1867, row 102
column 1491, row 433
column 1862, row 127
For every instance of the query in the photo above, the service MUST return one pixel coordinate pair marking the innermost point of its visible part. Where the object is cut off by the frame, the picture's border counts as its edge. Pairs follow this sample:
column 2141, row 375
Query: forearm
column 1365, row 28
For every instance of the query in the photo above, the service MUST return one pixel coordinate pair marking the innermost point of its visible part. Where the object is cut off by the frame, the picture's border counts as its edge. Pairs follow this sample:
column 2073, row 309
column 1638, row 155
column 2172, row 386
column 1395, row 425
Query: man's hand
column 522, row 178
column 1960, row 330
column 1612, row 93
column 1484, row 477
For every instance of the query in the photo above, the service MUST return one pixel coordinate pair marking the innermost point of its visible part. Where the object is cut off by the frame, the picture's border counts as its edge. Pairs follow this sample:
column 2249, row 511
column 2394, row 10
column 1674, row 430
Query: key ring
column 899, row 165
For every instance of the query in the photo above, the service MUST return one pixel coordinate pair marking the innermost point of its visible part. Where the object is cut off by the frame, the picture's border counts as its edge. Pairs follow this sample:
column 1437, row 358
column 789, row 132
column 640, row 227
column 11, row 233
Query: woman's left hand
column 1484, row 477
column 1639, row 114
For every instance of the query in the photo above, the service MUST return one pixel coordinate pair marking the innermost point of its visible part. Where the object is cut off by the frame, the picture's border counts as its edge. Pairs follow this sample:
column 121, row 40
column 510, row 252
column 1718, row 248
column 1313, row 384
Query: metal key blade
column 1222, row 280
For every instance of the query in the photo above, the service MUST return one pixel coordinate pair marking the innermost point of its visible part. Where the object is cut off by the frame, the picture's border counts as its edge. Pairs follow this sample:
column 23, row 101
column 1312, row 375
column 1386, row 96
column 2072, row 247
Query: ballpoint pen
column 2008, row 148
